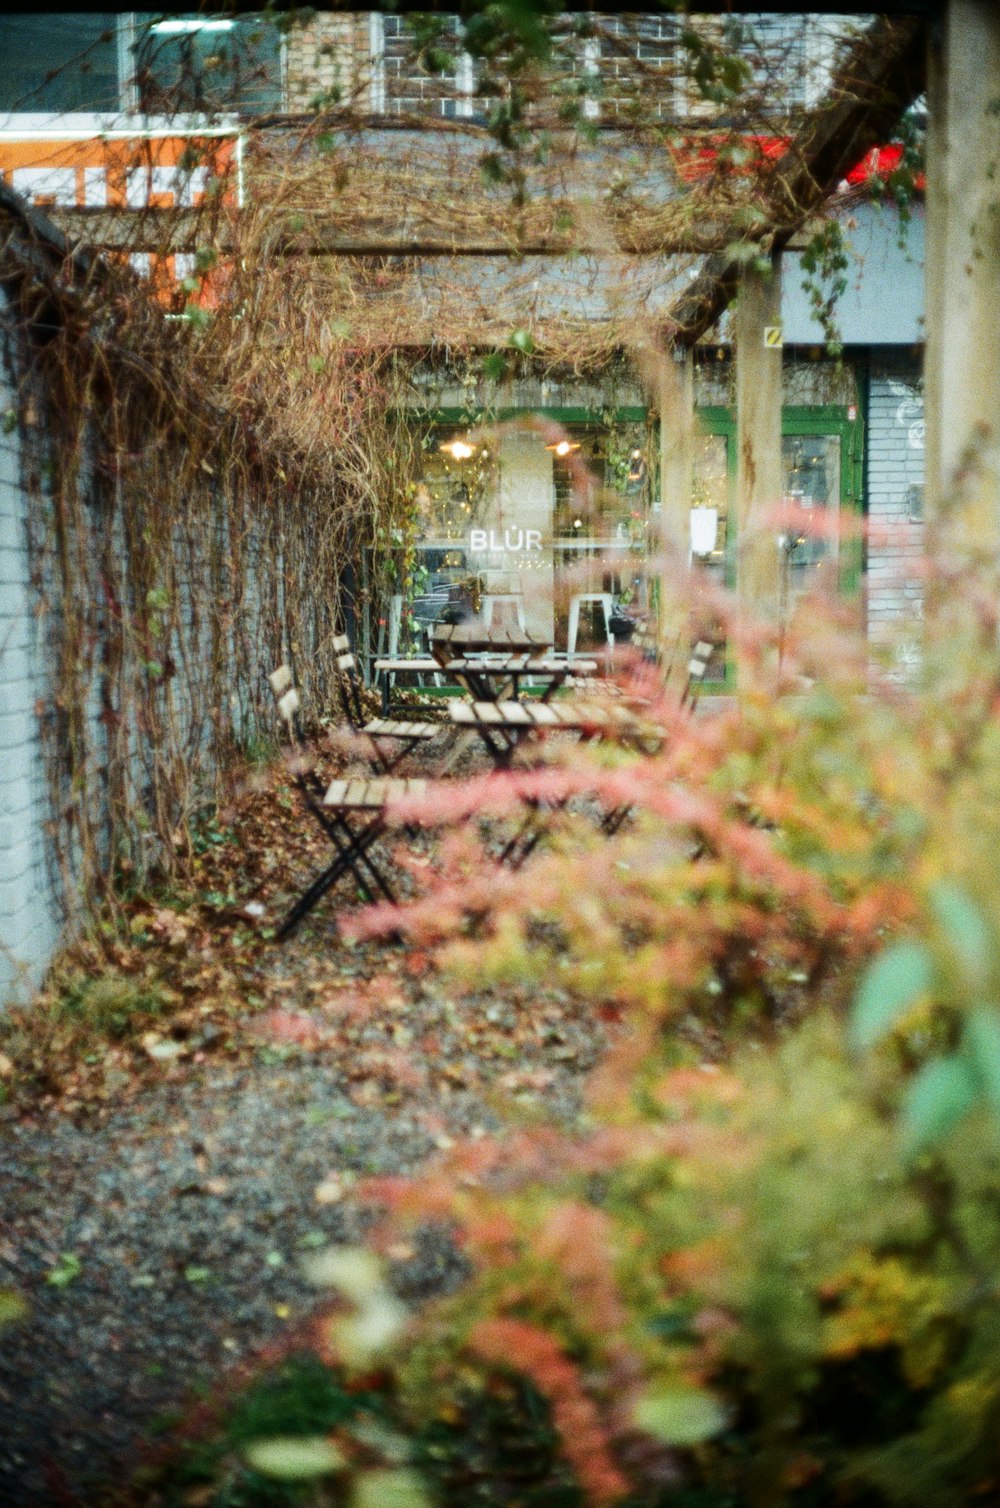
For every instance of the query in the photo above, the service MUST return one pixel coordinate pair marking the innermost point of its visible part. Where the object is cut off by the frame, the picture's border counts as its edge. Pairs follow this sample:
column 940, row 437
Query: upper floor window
column 57, row 63
column 51, row 63
column 792, row 58
column 204, row 65
column 438, row 79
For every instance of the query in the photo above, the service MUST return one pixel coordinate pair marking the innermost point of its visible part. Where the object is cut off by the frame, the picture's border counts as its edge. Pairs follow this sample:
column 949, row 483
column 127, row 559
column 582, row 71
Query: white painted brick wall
column 29, row 916
column 895, row 441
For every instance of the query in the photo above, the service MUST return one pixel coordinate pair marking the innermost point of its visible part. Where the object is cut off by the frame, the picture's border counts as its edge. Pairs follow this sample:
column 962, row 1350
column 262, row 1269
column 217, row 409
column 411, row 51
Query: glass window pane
column 199, row 65
column 711, row 502
column 55, row 62
column 522, row 523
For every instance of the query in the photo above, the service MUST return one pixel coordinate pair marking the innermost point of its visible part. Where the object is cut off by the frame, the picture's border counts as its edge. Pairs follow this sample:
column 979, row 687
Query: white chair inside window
column 606, row 600
column 506, row 601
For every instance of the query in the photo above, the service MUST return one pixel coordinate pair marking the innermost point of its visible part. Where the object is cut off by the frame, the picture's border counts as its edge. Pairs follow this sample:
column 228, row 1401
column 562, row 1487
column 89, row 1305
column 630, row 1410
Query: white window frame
column 376, row 62
column 592, row 69
column 465, row 87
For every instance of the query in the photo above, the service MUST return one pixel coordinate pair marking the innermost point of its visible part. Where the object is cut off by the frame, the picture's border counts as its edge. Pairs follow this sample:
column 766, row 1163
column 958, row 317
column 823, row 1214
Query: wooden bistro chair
column 391, row 738
column 352, row 814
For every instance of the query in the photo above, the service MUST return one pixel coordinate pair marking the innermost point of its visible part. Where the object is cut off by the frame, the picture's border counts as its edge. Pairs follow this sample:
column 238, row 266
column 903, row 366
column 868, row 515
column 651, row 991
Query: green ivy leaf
column 893, row 983
column 965, row 930
column 680, row 1416
column 197, row 316
column 522, row 340
column 295, row 1459
column 940, row 1095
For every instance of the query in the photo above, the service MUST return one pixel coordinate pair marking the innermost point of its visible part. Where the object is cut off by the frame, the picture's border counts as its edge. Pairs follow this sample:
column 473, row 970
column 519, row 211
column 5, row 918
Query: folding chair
column 382, row 732
column 697, row 665
column 352, row 814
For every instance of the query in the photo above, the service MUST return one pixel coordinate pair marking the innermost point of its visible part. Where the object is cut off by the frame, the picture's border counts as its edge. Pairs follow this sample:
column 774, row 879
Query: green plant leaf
column 893, row 983
column 982, row 1042
column 295, row 1459
column 357, row 1273
column 680, row 1416
column 372, row 1331
column 940, row 1095
column 965, row 930
column 389, row 1489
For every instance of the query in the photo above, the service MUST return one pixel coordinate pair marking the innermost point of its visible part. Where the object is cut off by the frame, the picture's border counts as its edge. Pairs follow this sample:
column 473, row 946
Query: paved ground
column 164, row 1241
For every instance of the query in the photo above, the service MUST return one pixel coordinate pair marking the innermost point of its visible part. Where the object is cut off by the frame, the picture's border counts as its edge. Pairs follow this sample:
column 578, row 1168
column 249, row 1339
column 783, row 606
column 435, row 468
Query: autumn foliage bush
column 763, row 1269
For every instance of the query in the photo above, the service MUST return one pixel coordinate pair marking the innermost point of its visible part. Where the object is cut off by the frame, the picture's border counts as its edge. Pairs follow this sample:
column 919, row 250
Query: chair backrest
column 348, row 687
column 287, row 697
column 698, row 663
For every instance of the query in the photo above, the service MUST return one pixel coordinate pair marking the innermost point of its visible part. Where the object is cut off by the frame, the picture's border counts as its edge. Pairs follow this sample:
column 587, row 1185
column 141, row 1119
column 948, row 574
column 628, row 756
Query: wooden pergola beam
column 882, row 76
column 166, row 231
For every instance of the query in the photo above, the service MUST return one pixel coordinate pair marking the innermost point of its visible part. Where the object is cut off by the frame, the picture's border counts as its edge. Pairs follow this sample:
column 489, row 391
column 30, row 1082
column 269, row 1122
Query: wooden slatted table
column 388, row 669
column 488, row 678
column 474, row 637
column 503, row 725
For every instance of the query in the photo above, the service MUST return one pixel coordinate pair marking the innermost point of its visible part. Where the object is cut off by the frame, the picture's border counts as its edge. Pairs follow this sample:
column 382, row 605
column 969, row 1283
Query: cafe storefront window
column 546, row 526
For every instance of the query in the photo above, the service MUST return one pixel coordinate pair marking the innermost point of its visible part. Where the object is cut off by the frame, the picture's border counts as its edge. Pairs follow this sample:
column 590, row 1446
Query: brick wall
column 29, row 915
column 632, row 64
column 329, row 58
column 895, row 442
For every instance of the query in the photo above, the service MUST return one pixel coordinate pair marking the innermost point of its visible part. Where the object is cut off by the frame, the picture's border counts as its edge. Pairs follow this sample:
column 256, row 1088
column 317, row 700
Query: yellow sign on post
column 773, row 336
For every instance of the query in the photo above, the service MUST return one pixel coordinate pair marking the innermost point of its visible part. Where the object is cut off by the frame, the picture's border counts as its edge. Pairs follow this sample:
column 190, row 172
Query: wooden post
column 759, row 472
column 962, row 397
column 676, row 403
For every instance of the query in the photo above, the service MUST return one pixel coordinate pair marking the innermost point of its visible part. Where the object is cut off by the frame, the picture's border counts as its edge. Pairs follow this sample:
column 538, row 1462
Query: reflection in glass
column 710, row 497
column 524, row 523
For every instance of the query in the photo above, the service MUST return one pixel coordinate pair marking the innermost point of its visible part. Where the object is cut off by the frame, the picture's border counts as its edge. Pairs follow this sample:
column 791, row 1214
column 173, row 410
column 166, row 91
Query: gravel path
column 165, row 1242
